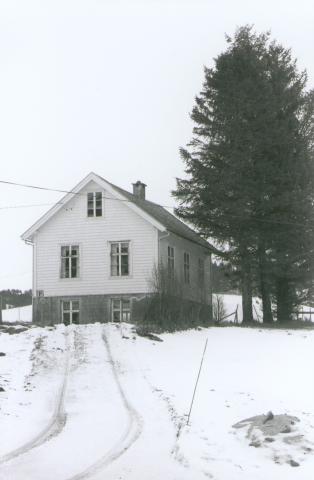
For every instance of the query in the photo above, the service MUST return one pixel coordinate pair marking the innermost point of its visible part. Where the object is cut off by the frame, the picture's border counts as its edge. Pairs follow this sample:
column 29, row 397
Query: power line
column 29, row 206
column 65, row 191
column 251, row 219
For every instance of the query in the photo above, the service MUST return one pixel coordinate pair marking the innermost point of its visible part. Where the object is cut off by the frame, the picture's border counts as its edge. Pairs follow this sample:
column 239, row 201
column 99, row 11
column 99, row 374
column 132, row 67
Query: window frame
column 70, row 311
column 94, row 207
column 70, row 257
column 120, row 309
column 186, row 268
column 170, row 261
column 119, row 255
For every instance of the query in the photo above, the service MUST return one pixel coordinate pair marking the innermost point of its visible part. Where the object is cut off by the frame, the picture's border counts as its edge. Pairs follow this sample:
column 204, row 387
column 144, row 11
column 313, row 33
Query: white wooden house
column 94, row 253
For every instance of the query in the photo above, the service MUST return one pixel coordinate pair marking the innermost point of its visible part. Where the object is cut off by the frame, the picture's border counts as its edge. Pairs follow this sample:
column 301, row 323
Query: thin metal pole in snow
column 198, row 376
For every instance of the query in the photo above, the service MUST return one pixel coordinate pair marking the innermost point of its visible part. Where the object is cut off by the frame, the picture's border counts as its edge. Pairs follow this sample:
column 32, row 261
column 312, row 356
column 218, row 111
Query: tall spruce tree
column 250, row 168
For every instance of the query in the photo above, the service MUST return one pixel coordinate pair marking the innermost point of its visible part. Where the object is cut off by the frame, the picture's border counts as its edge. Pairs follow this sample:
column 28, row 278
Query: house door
column 70, row 312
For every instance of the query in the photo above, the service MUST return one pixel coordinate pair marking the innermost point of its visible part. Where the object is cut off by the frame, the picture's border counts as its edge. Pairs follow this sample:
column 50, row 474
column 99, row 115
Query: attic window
column 94, row 204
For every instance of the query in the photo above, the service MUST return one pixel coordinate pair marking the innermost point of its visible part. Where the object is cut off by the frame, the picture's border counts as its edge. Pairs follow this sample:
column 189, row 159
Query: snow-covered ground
column 95, row 402
column 233, row 303
column 19, row 314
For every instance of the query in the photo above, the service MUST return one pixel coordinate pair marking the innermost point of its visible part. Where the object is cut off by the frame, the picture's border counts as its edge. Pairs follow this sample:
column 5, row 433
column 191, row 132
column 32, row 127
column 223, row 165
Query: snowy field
column 232, row 302
column 19, row 314
column 94, row 402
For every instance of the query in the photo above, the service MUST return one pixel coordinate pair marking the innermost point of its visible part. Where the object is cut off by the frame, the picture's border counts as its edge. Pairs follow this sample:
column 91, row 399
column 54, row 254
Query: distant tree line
column 225, row 278
column 250, row 171
column 16, row 298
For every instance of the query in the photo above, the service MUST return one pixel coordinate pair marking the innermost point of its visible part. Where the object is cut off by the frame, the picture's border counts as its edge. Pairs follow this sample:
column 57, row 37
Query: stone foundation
column 92, row 308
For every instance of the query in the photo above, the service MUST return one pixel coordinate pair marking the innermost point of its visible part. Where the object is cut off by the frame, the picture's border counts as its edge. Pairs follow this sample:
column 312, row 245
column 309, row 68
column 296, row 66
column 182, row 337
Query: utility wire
column 224, row 216
column 65, row 191
column 29, row 206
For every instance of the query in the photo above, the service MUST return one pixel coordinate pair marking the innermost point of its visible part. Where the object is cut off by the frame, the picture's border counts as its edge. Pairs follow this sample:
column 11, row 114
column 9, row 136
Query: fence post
column 236, row 320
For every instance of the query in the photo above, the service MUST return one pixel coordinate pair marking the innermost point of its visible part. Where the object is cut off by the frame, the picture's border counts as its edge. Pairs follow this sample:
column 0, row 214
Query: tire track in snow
column 131, row 433
column 57, row 422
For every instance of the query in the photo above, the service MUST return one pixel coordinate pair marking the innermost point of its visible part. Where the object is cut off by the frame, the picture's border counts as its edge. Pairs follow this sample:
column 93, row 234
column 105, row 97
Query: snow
column 233, row 302
column 95, row 401
column 19, row 314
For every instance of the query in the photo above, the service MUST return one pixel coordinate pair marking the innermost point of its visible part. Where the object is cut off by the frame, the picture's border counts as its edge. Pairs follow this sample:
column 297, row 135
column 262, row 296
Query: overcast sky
column 107, row 86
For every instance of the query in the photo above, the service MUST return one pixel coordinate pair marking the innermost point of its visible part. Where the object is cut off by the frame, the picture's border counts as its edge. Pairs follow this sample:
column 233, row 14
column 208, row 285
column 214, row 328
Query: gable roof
column 155, row 214
column 170, row 222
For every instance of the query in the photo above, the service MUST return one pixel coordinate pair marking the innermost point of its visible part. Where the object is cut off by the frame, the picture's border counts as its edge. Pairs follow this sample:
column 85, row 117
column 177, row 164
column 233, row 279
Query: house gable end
column 28, row 234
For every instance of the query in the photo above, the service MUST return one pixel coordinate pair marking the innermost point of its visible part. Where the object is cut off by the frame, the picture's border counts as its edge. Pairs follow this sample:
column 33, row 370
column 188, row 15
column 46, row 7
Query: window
column 186, row 267
column 201, row 271
column 94, row 204
column 121, row 309
column 170, row 262
column 119, row 259
column 70, row 261
column 70, row 311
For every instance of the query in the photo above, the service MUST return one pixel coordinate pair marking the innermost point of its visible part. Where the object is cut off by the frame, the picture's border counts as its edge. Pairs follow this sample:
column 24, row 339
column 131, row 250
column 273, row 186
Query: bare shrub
column 219, row 310
column 166, row 309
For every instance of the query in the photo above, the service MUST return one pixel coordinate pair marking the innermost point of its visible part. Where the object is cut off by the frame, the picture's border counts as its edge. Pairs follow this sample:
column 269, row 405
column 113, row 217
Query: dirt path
column 91, row 409
column 131, row 433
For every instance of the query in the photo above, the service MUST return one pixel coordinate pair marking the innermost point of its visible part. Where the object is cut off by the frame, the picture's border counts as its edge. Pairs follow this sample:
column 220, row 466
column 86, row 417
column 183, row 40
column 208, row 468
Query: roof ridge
column 141, row 202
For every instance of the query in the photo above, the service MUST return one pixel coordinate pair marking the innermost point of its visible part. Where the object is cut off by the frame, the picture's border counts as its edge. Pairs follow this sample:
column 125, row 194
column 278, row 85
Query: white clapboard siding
column 71, row 226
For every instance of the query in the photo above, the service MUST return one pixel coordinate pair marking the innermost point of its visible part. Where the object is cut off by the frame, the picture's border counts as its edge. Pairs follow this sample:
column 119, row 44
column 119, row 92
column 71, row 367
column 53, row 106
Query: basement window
column 94, row 204
column 70, row 311
column 121, row 309
column 70, row 261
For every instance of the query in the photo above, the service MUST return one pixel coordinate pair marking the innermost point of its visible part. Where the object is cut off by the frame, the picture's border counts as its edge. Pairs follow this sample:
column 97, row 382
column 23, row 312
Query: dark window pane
column 74, row 269
column 98, row 204
column 74, row 250
column 65, row 251
column 124, row 265
column 75, row 305
column 116, row 304
column 116, row 316
column 66, row 318
column 66, row 267
column 125, row 304
column 66, row 306
column 62, row 268
column 75, row 317
column 114, row 248
column 124, row 248
column 114, row 265
column 90, row 204
column 126, row 317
